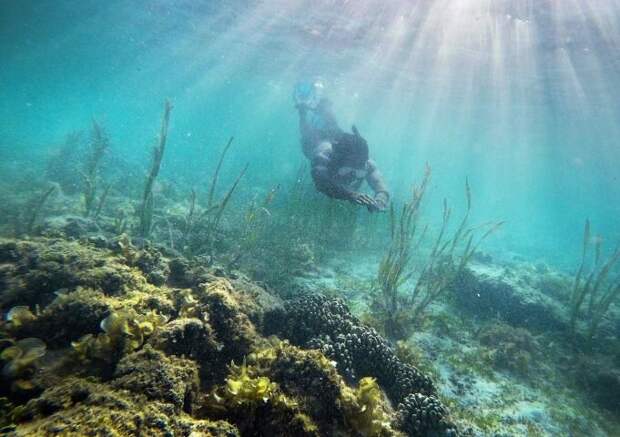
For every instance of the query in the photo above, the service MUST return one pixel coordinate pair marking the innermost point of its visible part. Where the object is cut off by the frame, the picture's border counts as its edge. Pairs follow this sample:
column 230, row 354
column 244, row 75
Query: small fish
column 19, row 314
column 61, row 292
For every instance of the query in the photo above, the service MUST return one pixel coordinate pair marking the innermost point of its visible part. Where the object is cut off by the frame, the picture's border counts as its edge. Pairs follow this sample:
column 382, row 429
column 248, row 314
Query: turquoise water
column 519, row 96
column 102, row 257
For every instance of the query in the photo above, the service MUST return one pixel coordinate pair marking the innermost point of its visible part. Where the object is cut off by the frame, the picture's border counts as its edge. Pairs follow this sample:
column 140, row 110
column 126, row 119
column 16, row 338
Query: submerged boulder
column 520, row 296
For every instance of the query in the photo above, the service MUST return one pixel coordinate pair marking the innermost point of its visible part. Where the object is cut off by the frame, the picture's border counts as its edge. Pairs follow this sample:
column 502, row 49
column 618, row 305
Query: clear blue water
column 520, row 96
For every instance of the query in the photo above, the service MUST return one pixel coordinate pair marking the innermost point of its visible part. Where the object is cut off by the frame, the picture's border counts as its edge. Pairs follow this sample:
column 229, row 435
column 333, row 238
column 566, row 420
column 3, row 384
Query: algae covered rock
column 128, row 357
column 284, row 390
column 78, row 407
column 159, row 377
column 153, row 264
column 194, row 339
column 359, row 351
column 511, row 348
column 35, row 271
column 232, row 326
column 68, row 317
column 516, row 295
column 189, row 337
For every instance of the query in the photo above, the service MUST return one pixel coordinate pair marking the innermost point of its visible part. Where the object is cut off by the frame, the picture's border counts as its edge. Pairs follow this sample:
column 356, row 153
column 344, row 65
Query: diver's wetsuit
column 336, row 174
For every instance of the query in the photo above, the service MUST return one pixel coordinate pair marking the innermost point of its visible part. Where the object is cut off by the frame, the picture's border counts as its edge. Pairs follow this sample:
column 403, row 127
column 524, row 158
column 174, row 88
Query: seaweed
column 216, row 174
column 102, row 199
column 208, row 220
column 438, row 270
column 146, row 208
column 596, row 287
column 99, row 144
column 31, row 212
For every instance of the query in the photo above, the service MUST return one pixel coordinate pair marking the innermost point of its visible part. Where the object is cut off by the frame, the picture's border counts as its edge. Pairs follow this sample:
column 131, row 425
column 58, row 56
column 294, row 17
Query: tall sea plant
column 146, row 208
column 595, row 287
column 437, row 271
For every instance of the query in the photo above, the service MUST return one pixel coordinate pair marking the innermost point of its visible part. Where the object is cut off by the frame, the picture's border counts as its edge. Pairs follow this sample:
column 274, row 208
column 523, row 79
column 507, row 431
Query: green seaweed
column 99, row 144
column 146, row 208
column 438, row 270
column 597, row 288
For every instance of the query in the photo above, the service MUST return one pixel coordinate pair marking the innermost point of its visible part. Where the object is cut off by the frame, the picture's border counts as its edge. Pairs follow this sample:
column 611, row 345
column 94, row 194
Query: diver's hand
column 365, row 200
column 381, row 200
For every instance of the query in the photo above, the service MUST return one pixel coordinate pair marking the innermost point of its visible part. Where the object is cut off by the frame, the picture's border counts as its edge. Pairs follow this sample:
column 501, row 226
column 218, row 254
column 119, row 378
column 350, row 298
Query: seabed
column 144, row 310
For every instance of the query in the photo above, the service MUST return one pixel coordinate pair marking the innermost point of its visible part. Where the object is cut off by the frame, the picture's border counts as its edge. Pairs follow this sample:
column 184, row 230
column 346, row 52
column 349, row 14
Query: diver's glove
column 365, row 200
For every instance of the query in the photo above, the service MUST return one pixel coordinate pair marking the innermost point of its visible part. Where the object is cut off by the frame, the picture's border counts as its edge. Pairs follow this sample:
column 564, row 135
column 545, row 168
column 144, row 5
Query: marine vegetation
column 433, row 274
column 510, row 348
column 98, row 346
column 99, row 144
column 596, row 286
column 322, row 323
column 146, row 208
column 26, row 221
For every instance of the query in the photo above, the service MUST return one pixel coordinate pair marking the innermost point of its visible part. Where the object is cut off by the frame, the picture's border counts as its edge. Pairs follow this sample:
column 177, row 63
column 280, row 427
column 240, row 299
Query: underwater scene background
column 168, row 267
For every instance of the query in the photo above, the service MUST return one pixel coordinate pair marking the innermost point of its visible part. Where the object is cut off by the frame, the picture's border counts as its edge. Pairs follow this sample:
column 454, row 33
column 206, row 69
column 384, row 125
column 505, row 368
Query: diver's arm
column 326, row 185
column 376, row 182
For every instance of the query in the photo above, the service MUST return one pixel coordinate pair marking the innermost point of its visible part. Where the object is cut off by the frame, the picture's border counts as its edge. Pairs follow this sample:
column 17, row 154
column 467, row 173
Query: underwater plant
column 99, row 144
column 253, row 226
column 595, row 287
column 124, row 332
column 21, row 356
column 365, row 409
column 205, row 221
column 438, row 270
column 241, row 387
column 146, row 209
column 32, row 210
column 63, row 160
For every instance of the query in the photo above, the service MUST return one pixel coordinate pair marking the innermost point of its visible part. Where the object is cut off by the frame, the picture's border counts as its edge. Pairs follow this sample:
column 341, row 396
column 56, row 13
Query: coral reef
column 81, row 407
column 326, row 324
column 419, row 415
column 309, row 396
column 92, row 346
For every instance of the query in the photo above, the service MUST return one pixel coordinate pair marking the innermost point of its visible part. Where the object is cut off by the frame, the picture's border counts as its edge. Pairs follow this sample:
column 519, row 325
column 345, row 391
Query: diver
column 339, row 160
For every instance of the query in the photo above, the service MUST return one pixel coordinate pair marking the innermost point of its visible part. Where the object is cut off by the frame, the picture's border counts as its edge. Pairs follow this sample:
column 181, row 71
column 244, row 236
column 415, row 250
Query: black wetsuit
column 337, row 175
